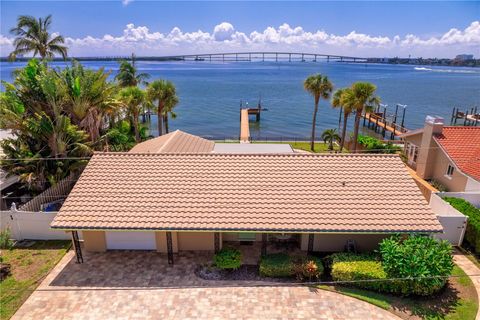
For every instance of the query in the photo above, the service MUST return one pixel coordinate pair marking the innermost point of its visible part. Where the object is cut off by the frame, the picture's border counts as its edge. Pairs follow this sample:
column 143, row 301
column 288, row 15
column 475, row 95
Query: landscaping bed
column 29, row 266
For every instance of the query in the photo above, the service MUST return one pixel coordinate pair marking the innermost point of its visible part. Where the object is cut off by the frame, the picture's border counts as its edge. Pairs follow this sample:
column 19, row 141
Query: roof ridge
column 168, row 140
column 369, row 155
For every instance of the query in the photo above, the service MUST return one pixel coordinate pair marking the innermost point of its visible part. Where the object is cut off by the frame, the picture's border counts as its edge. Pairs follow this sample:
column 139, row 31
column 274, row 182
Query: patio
column 141, row 285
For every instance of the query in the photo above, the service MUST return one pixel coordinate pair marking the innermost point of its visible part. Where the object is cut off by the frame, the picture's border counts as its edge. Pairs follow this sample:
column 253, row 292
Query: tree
column 127, row 74
column 337, row 102
column 33, row 35
column 360, row 98
column 133, row 98
column 89, row 97
column 330, row 135
column 319, row 87
column 164, row 93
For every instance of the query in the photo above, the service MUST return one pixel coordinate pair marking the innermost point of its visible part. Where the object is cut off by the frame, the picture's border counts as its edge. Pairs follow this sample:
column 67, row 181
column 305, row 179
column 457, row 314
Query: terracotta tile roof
column 246, row 192
column 175, row 142
column 462, row 144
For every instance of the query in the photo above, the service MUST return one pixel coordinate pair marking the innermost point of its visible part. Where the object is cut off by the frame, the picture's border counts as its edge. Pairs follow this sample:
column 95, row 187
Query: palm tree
column 127, row 74
column 32, row 35
column 164, row 93
column 337, row 102
column 319, row 87
column 330, row 135
column 133, row 98
column 361, row 98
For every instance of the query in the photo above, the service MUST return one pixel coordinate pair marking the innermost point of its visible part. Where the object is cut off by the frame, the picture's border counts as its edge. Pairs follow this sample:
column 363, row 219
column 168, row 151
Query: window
column 415, row 154
column 450, row 170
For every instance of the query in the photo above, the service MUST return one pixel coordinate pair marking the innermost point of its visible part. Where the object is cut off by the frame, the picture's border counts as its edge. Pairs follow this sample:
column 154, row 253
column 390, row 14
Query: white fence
column 453, row 222
column 31, row 225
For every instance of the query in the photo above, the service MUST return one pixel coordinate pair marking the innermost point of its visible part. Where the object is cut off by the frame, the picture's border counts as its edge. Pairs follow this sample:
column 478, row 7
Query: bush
column 228, row 258
column 5, row 239
column 472, row 234
column 354, row 267
column 376, row 146
column 276, row 265
column 417, row 257
column 309, row 267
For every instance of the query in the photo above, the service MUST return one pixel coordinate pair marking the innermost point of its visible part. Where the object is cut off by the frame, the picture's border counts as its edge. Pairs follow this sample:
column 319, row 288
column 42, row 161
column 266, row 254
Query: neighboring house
column 173, row 202
column 449, row 155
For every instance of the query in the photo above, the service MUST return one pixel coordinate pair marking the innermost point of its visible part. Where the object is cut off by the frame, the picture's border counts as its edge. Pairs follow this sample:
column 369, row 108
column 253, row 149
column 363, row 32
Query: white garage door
column 130, row 240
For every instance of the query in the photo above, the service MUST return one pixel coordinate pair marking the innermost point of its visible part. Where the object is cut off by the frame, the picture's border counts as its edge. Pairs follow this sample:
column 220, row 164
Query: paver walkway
column 140, row 285
column 471, row 269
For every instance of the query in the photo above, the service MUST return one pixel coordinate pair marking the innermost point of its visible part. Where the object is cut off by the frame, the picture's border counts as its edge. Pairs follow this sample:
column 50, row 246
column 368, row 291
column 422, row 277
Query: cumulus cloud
column 224, row 37
column 126, row 2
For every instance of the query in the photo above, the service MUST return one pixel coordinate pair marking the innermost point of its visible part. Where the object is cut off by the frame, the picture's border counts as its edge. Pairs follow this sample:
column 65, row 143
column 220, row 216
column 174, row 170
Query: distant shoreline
column 473, row 63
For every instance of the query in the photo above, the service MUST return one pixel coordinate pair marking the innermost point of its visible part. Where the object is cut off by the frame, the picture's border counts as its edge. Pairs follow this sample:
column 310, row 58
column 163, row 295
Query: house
column 450, row 155
column 173, row 202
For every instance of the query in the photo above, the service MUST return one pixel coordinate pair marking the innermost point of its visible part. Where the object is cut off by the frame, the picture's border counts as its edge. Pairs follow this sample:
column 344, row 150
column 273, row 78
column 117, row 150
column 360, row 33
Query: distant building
column 464, row 57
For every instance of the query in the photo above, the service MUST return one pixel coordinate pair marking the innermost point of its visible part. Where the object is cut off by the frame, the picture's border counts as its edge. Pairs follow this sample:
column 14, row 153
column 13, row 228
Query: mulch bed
column 246, row 272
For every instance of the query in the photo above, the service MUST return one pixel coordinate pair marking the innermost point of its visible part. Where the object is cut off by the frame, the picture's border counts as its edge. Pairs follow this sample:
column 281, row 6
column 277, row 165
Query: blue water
column 210, row 93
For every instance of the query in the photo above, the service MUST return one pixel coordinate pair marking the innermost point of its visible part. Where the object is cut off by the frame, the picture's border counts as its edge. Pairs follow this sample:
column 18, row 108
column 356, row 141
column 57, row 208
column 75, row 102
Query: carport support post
column 216, row 239
column 311, row 237
column 76, row 247
column 264, row 244
column 169, row 247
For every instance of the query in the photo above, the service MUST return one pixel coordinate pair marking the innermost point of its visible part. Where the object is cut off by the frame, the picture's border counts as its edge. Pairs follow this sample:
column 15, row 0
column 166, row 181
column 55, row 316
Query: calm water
column 210, row 93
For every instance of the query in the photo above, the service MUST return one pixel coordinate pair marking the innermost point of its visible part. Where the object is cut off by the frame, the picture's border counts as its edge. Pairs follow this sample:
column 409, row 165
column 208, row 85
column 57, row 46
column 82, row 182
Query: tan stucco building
column 449, row 155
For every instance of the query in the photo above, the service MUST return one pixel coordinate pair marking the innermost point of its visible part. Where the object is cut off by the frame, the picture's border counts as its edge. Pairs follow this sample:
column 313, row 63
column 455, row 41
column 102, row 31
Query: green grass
column 453, row 305
column 377, row 299
column 29, row 267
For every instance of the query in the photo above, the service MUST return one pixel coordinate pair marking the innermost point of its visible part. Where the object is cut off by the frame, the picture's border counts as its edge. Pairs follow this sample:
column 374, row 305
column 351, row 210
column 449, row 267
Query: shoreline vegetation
column 473, row 63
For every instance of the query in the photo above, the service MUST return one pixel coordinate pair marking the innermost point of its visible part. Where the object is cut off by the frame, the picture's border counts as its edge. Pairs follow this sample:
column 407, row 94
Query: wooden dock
column 244, row 126
column 381, row 122
column 470, row 117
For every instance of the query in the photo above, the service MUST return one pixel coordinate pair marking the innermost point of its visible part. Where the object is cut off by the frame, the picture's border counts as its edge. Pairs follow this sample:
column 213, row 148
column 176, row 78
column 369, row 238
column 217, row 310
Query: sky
column 358, row 28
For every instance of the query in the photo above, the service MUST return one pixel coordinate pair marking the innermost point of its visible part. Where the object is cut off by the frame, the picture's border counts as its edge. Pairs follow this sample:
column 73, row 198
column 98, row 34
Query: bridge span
column 259, row 56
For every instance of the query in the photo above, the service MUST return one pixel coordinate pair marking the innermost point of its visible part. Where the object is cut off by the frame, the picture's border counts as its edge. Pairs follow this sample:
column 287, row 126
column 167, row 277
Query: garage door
column 131, row 240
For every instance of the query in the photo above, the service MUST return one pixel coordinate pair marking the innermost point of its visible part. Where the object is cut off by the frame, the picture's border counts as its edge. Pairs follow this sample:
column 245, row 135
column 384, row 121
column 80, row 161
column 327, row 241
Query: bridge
column 259, row 56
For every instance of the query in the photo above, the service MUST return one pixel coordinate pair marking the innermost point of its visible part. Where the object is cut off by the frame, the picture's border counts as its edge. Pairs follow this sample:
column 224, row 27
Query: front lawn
column 29, row 267
column 458, row 301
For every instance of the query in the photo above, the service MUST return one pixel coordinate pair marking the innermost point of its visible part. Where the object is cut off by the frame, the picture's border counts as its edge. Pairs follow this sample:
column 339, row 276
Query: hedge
column 353, row 267
column 472, row 233
column 419, row 264
column 228, row 258
column 281, row 265
column 276, row 265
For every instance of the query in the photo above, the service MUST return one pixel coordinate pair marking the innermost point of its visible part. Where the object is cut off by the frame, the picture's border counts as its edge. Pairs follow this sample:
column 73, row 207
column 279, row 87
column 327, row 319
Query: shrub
column 309, row 267
column 354, row 267
column 5, row 239
column 277, row 265
column 228, row 258
column 472, row 233
column 426, row 260
column 376, row 146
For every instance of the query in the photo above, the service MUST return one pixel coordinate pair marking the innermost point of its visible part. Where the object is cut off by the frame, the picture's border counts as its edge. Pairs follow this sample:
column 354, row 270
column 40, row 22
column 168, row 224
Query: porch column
column 216, row 239
column 264, row 244
column 169, row 247
column 77, row 247
column 311, row 237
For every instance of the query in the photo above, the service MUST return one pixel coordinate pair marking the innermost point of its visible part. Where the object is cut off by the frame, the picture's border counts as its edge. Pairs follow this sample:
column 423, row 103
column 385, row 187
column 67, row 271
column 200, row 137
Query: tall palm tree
column 330, row 135
column 32, row 36
column 338, row 102
column 361, row 98
column 164, row 93
column 133, row 98
column 319, row 87
column 127, row 74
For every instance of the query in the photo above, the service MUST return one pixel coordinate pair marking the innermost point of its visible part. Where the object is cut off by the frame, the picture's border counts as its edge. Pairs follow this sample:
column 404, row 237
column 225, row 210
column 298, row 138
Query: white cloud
column 224, row 37
column 126, row 2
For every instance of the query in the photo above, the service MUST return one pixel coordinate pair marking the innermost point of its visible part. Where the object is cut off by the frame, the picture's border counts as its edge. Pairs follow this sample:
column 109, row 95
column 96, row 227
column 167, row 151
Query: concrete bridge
column 259, row 56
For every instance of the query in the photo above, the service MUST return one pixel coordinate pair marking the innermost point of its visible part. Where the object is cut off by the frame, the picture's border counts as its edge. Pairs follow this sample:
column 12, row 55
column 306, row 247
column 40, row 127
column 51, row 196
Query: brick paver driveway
column 140, row 285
